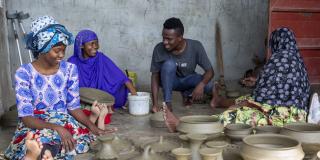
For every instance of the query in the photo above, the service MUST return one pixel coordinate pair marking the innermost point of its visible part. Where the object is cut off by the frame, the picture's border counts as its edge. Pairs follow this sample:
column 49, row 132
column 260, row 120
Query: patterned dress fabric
column 48, row 97
column 282, row 90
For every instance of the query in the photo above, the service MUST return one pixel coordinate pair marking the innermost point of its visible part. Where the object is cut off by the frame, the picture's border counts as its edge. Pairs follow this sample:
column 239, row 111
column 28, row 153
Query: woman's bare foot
column 95, row 111
column 110, row 108
column 103, row 113
column 33, row 146
column 170, row 119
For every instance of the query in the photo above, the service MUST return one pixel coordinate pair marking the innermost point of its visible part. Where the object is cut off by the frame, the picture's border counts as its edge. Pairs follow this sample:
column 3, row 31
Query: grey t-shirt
column 193, row 55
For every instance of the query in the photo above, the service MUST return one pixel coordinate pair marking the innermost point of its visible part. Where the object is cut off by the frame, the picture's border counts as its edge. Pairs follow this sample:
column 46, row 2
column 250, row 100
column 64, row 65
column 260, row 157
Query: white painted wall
column 129, row 29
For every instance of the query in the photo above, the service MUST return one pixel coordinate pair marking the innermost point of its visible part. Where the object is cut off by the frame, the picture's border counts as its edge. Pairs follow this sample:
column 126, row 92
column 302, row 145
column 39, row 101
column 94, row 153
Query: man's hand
column 67, row 141
column 197, row 93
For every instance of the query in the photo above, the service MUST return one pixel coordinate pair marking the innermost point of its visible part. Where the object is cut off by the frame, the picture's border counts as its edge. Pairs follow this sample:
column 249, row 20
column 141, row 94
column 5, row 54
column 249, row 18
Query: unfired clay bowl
column 209, row 153
column 306, row 133
column 181, row 153
column 271, row 147
column 236, row 132
column 157, row 120
column 267, row 129
column 200, row 124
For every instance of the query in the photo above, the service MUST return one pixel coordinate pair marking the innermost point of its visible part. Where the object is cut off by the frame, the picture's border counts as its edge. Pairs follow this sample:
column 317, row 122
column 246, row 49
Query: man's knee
column 169, row 66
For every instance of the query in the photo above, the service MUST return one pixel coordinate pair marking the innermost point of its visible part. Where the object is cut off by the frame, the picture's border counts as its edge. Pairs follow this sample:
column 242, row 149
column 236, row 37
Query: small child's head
column 86, row 44
column 47, row 34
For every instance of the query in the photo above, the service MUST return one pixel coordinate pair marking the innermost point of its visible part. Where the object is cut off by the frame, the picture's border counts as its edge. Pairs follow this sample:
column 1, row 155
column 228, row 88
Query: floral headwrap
column 45, row 33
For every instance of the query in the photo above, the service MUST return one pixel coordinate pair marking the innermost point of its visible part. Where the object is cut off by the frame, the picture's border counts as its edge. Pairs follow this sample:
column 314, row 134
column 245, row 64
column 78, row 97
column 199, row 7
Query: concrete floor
column 134, row 128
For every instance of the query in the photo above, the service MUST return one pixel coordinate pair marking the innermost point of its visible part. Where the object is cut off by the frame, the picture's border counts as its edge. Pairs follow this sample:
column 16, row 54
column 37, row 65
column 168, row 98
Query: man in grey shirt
column 173, row 65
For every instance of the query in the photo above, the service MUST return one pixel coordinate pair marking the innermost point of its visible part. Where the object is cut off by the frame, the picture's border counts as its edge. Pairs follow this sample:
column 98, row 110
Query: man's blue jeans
column 171, row 82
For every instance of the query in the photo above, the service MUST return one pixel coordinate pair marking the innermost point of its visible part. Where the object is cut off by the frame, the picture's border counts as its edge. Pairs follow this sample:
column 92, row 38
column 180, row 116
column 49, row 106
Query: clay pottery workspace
column 219, row 146
column 149, row 154
column 106, row 150
column 89, row 95
column 271, row 147
column 305, row 133
column 200, row 124
column 195, row 142
column 122, row 146
column 236, row 132
column 209, row 153
column 163, row 145
column 181, row 153
column 157, row 120
column 267, row 129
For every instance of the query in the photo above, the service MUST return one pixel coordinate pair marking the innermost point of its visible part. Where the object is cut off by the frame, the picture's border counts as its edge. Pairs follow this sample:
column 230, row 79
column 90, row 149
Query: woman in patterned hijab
column 284, row 79
column 48, row 103
column 282, row 89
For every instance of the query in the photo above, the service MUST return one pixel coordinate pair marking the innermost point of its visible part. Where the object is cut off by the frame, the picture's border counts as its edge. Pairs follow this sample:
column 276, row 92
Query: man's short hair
column 174, row 23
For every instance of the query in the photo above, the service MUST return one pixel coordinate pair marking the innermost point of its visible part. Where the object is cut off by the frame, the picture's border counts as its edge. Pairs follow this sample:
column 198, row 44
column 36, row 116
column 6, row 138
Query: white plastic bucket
column 139, row 104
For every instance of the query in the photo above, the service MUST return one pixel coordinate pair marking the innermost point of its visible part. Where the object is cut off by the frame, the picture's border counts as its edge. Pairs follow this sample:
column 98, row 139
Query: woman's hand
column 98, row 132
column 249, row 81
column 67, row 141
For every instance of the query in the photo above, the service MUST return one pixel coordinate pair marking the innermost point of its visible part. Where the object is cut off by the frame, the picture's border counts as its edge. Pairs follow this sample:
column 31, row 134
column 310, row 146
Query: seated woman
column 281, row 91
column 96, row 70
column 48, row 103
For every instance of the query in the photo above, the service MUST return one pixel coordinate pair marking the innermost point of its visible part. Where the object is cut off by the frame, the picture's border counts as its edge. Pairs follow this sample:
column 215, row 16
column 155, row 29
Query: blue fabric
column 35, row 91
column 46, row 38
column 171, row 82
column 284, row 79
column 99, row 72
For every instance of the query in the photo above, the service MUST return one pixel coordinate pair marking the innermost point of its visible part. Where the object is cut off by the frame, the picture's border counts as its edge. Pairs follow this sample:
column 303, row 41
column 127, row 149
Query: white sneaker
column 314, row 109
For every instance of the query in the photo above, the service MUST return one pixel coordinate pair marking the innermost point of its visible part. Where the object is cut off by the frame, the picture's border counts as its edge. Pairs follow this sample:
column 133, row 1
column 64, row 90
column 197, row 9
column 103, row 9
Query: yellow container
column 133, row 77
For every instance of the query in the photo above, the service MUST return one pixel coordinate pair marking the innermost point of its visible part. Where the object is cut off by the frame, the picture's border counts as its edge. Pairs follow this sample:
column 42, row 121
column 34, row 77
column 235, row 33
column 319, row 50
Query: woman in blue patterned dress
column 47, row 94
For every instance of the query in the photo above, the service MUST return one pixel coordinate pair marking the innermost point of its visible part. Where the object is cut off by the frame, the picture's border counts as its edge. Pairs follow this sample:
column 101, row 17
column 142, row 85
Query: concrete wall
column 129, row 29
column 6, row 91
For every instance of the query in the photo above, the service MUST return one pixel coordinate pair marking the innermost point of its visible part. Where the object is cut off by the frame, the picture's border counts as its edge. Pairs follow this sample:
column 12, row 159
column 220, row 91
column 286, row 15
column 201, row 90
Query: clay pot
column 163, row 145
column 218, row 145
column 122, row 146
column 195, row 142
column 149, row 154
column 233, row 94
column 157, row 120
column 181, row 153
column 305, row 133
column 236, row 132
column 209, row 153
column 268, row 129
column 200, row 124
column 106, row 150
column 271, row 147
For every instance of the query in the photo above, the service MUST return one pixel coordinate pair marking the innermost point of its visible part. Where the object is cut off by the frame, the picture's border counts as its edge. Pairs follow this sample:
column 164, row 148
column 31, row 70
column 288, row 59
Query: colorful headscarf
column 45, row 33
column 99, row 71
column 284, row 79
